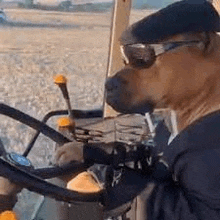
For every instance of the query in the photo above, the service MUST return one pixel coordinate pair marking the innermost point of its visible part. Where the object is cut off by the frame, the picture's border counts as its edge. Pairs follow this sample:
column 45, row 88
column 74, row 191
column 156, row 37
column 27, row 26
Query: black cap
column 179, row 17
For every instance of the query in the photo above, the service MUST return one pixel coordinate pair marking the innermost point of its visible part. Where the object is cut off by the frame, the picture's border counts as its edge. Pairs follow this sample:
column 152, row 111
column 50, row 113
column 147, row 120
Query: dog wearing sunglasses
column 181, row 73
column 172, row 60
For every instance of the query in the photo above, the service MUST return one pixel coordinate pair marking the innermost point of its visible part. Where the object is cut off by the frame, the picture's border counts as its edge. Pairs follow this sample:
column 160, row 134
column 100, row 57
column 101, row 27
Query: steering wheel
column 19, row 170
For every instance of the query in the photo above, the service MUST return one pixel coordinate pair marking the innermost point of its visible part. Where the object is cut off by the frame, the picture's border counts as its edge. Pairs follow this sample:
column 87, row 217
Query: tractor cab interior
column 63, row 198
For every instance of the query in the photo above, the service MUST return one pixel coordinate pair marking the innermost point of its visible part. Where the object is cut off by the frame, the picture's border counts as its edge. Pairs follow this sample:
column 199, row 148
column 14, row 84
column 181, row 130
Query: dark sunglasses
column 144, row 55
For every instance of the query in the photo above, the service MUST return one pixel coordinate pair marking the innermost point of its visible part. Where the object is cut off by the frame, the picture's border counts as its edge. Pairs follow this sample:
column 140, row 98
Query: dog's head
column 167, row 64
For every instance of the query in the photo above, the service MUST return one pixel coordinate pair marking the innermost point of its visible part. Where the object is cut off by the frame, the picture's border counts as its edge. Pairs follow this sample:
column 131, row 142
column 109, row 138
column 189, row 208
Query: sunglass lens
column 140, row 57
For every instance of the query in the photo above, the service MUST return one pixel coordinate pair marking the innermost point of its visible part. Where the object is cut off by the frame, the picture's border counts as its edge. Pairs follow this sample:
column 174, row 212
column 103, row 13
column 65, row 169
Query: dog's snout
column 112, row 84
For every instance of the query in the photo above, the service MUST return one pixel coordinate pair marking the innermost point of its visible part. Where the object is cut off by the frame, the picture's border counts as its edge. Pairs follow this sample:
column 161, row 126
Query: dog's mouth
column 123, row 100
column 123, row 106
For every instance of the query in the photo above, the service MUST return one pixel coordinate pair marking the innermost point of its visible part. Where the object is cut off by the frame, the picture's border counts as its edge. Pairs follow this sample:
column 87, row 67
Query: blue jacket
column 193, row 192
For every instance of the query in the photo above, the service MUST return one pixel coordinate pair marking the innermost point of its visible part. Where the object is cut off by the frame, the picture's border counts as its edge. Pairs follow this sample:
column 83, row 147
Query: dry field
column 41, row 45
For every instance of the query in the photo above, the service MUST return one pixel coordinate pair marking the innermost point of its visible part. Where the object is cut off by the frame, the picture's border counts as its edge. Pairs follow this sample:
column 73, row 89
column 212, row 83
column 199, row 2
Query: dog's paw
column 8, row 188
column 69, row 152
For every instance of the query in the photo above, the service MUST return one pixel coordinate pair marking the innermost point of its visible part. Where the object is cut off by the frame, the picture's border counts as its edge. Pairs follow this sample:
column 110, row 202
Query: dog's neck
column 197, row 109
column 207, row 100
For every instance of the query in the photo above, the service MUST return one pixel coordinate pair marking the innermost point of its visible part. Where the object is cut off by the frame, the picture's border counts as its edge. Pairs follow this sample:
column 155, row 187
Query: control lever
column 66, row 125
column 61, row 81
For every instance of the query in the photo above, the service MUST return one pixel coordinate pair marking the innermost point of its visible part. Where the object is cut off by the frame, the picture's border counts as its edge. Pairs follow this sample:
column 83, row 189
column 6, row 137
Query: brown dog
column 185, row 79
column 172, row 61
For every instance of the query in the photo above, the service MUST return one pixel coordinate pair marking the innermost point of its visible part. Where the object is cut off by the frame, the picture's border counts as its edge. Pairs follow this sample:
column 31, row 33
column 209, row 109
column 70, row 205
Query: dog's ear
column 214, row 43
column 207, row 39
column 207, row 45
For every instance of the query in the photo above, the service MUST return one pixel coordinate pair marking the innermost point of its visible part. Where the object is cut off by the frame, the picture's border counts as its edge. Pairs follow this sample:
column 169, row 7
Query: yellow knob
column 60, row 79
column 66, row 122
column 8, row 215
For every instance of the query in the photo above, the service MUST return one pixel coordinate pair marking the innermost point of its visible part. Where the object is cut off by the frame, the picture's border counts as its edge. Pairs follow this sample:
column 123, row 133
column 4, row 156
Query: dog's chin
column 125, row 108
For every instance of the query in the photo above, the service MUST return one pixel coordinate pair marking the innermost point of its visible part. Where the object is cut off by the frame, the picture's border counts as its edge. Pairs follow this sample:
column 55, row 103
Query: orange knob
column 85, row 183
column 60, row 79
column 65, row 122
column 8, row 215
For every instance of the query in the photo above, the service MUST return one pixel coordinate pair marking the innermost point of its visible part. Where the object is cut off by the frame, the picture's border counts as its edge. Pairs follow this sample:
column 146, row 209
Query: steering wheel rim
column 33, row 182
column 113, row 206
column 38, row 185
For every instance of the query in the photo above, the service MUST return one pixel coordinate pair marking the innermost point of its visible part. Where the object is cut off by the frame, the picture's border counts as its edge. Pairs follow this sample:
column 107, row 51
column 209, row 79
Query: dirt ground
column 35, row 46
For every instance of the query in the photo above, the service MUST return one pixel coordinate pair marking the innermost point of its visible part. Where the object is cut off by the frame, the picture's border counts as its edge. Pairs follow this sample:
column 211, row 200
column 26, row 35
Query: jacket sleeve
column 192, row 193
column 113, row 153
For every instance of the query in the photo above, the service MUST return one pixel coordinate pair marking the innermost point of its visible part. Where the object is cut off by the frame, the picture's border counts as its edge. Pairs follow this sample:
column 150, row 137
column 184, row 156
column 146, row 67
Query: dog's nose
column 112, row 84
